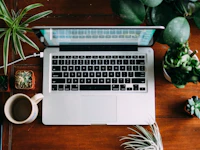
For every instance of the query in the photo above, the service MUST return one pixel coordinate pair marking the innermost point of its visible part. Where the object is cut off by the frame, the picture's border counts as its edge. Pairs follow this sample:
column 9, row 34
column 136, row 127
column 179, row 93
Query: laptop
column 98, row 75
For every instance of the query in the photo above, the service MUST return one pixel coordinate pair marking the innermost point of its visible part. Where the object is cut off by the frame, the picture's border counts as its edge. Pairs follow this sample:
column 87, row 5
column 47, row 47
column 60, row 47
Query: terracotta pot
column 32, row 82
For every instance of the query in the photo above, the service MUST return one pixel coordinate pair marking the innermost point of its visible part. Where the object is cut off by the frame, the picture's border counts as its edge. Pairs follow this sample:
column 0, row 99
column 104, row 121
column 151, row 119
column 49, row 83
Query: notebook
column 98, row 75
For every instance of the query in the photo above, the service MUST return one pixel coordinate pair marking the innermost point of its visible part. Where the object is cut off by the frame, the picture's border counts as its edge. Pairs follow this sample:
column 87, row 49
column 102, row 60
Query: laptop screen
column 138, row 36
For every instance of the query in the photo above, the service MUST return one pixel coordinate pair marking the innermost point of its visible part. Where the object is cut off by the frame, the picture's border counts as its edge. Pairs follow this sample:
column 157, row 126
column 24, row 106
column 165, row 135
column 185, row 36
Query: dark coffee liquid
column 21, row 109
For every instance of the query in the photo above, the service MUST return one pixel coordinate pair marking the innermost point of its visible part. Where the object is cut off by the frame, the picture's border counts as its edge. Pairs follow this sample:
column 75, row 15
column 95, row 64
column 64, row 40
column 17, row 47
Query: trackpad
column 99, row 109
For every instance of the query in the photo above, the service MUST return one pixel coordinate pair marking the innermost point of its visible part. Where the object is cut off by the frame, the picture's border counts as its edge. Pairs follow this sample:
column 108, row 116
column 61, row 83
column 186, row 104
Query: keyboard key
column 96, row 68
column 54, row 88
column 116, row 68
column 127, row 80
column 66, row 74
column 122, row 68
column 130, row 74
column 108, row 80
column 69, row 80
column 142, row 68
column 103, row 68
column 67, row 87
column 93, row 62
column 85, row 74
column 115, row 87
column 75, row 80
column 140, row 62
column 95, row 87
column 117, row 74
column 139, row 74
column 61, row 62
column 54, row 62
column 135, row 87
column 60, row 87
column 125, row 62
column 88, row 80
column 98, row 74
column 111, row 74
column 101, row 80
column 135, row 68
column 132, row 62
column 122, row 87
column 77, row 68
column 91, row 74
column 129, row 68
column 56, row 74
column 109, row 68
column 55, row 57
column 142, row 89
column 95, row 80
column 72, row 74
column 78, row 74
column 74, row 87
column 64, row 68
column 56, row 68
column 121, row 80
column 138, row 80
column 105, row 74
column 70, row 68
column 82, row 80
column 124, row 74
column 58, row 80
column 83, row 68
column 100, row 62
column 114, row 80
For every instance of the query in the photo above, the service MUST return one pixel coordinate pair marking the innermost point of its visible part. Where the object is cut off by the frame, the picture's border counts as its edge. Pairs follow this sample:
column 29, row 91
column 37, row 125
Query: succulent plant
column 193, row 106
column 23, row 79
column 143, row 139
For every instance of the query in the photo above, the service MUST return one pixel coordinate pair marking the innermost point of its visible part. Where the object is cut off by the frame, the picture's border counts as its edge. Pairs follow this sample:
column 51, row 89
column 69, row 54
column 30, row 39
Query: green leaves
column 152, row 3
column 6, row 49
column 16, row 29
column 177, row 31
column 131, row 11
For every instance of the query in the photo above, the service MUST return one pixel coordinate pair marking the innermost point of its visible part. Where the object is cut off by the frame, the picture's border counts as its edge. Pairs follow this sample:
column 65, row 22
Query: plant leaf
column 17, row 45
column 26, row 9
column 152, row 3
column 36, row 17
column 6, row 49
column 27, row 40
column 177, row 31
column 6, row 19
column 197, row 18
column 4, row 10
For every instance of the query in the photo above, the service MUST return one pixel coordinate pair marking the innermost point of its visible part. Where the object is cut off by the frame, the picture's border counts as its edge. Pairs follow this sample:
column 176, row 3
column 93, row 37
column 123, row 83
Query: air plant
column 17, row 28
column 193, row 106
column 143, row 139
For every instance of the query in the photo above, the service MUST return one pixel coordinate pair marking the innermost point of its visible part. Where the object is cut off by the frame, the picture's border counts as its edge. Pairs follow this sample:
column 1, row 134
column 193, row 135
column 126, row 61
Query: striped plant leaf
column 2, row 34
column 4, row 9
column 8, row 20
column 25, row 29
column 17, row 45
column 26, row 9
column 6, row 49
column 36, row 17
column 3, row 29
column 24, row 38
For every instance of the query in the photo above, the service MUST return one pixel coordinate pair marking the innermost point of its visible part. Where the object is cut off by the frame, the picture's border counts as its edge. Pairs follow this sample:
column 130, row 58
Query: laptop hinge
column 98, row 48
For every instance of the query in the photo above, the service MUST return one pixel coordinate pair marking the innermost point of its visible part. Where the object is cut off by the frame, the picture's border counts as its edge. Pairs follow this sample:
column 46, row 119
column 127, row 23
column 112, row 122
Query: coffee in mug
column 20, row 108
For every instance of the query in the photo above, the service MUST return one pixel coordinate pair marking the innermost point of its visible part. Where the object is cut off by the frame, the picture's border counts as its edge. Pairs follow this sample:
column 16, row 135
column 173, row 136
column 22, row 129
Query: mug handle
column 37, row 98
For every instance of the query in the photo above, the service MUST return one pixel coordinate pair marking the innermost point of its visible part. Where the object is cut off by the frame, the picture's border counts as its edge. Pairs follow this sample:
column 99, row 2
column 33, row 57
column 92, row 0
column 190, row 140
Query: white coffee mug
column 20, row 108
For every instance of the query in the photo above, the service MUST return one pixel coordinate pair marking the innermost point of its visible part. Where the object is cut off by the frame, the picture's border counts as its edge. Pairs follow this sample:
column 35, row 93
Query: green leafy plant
column 181, row 65
column 193, row 106
column 17, row 28
column 3, row 82
column 24, row 79
column 173, row 14
column 143, row 139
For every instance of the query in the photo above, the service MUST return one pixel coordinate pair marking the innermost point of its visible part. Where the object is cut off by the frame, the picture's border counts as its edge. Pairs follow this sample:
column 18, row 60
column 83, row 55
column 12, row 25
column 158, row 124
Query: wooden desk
column 178, row 130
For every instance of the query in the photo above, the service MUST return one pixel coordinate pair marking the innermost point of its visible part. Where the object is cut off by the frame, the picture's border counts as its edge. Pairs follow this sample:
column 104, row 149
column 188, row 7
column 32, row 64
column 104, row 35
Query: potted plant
column 173, row 14
column 24, row 79
column 16, row 29
column 143, row 138
column 4, row 83
column 181, row 65
column 192, row 106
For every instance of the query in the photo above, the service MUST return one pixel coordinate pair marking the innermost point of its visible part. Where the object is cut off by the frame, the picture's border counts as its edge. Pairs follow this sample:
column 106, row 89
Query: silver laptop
column 98, row 75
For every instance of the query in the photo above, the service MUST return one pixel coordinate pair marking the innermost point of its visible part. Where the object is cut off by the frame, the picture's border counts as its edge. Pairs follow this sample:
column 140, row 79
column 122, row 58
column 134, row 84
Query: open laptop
column 98, row 75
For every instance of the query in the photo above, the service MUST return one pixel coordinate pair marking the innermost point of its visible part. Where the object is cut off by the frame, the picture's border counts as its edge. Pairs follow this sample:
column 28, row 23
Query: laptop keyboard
column 99, row 73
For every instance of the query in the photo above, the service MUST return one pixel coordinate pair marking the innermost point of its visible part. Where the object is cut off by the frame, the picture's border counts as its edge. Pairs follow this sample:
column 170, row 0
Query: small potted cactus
column 4, row 83
column 24, row 79
column 192, row 106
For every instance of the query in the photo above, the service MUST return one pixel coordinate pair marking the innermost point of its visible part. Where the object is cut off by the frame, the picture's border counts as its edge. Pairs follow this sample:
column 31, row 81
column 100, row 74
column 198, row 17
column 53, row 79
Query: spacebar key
column 95, row 87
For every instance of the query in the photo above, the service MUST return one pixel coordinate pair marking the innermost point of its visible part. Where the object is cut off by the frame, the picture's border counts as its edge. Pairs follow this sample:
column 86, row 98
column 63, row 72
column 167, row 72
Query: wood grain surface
column 179, row 131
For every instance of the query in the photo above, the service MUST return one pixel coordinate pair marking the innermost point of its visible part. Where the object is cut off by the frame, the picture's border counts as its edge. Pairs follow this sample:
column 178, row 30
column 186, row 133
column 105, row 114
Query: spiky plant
column 193, row 106
column 3, row 82
column 143, row 139
column 17, row 28
column 23, row 79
